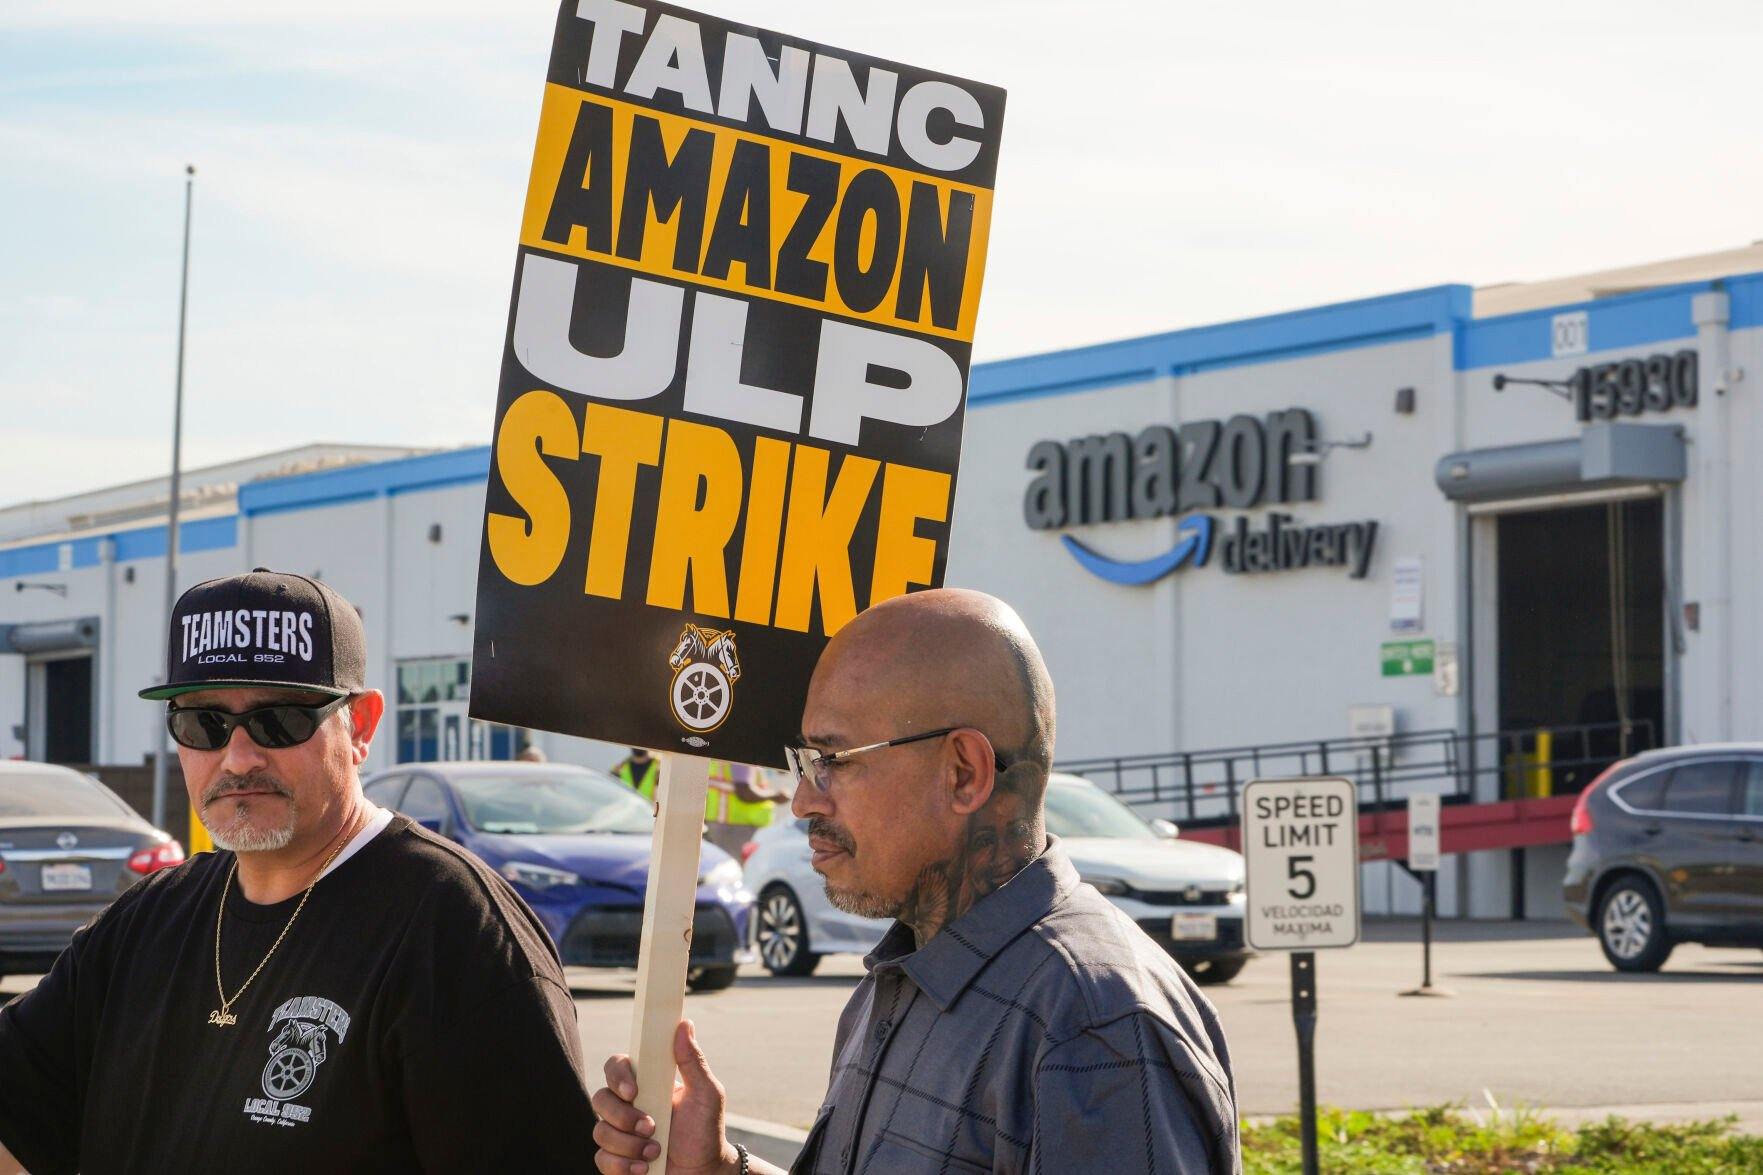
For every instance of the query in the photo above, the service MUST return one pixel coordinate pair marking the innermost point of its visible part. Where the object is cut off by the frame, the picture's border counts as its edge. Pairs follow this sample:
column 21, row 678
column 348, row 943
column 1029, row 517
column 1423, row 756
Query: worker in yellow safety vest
column 640, row 772
column 737, row 805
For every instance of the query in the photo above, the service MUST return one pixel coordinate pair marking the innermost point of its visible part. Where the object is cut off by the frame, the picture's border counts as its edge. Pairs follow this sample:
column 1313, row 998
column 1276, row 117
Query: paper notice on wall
column 1406, row 580
column 1445, row 680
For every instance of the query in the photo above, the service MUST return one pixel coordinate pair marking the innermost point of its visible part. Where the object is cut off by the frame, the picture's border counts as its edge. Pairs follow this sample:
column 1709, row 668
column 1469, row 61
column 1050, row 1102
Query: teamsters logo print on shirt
column 296, row 1051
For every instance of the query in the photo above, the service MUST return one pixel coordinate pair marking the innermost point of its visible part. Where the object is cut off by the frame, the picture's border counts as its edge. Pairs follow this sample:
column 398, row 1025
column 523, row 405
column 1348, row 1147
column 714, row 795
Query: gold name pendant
column 222, row 1019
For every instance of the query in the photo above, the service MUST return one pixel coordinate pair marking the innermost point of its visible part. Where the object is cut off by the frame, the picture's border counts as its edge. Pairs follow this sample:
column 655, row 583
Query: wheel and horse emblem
column 294, row 1057
column 705, row 669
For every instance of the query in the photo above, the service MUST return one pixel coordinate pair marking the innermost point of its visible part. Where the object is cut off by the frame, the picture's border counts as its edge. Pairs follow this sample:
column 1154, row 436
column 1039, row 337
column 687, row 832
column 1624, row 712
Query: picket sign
column 665, row 952
column 702, row 526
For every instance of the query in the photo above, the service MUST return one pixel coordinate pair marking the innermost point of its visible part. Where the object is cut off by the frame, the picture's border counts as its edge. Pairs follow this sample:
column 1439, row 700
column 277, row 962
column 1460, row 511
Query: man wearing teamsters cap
column 337, row 989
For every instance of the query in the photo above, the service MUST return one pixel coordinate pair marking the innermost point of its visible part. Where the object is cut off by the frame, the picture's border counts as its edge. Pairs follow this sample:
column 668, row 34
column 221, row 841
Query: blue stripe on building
column 1369, row 322
column 1619, row 322
column 202, row 534
column 1647, row 317
column 357, row 483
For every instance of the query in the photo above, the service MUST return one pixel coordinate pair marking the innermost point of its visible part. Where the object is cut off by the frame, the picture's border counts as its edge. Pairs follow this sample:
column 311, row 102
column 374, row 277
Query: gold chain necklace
column 222, row 1016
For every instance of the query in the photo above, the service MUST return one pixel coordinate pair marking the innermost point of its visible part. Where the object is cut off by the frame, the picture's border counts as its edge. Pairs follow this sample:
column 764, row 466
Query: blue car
column 575, row 845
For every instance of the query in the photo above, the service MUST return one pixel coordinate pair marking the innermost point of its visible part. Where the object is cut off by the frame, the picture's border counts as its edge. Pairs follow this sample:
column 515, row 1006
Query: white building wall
column 1279, row 656
column 1107, row 647
column 1198, row 660
column 130, row 654
column 1746, row 521
column 376, row 551
column 1521, row 415
column 1201, row 659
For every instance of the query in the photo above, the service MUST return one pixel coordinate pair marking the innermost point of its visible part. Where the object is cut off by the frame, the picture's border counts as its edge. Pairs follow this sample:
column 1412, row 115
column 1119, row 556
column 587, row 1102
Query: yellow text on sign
column 791, row 496
column 655, row 192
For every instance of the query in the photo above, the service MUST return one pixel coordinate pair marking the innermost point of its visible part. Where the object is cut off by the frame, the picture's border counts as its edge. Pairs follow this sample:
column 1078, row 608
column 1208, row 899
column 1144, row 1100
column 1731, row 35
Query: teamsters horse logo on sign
column 705, row 669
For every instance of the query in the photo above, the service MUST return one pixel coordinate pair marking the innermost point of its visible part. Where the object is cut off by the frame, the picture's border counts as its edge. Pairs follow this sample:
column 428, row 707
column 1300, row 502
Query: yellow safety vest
column 723, row 806
column 645, row 786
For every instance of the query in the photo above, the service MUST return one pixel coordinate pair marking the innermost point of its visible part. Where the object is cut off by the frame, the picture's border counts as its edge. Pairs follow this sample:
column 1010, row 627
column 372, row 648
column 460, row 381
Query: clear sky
column 1165, row 164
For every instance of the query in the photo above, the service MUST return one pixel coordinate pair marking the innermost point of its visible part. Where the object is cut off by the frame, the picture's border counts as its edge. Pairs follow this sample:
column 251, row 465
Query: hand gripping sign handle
column 667, row 936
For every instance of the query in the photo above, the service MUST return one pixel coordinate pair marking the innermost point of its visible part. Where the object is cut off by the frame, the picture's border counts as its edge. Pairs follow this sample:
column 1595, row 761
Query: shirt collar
column 945, row 966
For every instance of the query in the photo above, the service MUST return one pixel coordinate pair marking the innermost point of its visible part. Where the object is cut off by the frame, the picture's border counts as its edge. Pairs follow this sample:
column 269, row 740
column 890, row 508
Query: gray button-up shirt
column 1042, row 1031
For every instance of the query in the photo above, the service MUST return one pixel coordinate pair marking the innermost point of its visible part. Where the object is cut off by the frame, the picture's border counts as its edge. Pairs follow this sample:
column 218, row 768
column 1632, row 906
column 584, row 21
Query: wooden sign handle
column 665, row 953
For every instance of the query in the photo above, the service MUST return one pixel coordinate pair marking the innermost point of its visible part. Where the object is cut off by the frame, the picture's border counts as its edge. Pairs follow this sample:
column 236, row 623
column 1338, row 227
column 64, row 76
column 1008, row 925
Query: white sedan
column 1185, row 895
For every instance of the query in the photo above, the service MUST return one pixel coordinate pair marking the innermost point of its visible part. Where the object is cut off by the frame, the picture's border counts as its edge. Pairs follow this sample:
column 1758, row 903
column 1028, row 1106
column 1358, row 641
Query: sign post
column 1301, row 850
column 665, row 951
column 1423, row 863
column 732, row 393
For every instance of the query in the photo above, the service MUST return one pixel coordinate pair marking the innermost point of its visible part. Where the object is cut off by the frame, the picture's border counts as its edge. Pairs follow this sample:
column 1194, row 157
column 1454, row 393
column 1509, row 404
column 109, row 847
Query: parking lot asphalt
column 1538, row 1018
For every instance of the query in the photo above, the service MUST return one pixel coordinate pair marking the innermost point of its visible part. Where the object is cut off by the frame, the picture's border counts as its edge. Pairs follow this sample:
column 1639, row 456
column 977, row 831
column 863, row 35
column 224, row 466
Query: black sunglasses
column 270, row 727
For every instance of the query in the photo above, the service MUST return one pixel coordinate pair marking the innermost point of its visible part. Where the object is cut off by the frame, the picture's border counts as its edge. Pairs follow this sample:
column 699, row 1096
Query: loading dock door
column 1581, row 637
column 59, row 704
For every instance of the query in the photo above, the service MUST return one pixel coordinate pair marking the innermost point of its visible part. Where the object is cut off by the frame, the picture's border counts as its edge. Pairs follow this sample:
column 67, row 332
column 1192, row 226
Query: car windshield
column 1077, row 810
column 532, row 804
column 53, row 794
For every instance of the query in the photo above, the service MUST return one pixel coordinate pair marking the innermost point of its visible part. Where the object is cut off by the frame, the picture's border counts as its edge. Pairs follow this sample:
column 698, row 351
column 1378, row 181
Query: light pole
column 171, row 522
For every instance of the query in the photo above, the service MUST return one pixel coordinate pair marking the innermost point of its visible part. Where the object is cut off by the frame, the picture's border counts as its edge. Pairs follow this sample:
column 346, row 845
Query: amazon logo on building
column 1204, row 465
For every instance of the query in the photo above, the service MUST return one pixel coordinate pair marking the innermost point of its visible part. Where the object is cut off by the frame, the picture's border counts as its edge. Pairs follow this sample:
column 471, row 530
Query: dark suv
column 1668, row 848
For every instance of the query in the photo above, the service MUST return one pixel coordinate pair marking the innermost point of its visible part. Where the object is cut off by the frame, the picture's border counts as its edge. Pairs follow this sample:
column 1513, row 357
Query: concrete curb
column 772, row 1141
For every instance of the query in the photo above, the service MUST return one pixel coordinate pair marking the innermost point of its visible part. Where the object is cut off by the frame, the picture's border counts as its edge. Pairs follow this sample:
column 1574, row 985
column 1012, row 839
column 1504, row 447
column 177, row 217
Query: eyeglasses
column 271, row 727
column 812, row 767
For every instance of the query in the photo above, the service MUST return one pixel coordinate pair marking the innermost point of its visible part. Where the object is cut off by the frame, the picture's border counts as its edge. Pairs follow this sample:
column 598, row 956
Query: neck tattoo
column 999, row 840
column 222, row 1017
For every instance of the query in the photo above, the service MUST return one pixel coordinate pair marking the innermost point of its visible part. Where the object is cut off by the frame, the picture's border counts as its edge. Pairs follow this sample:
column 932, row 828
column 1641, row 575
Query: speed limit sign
column 1301, row 845
column 1301, row 842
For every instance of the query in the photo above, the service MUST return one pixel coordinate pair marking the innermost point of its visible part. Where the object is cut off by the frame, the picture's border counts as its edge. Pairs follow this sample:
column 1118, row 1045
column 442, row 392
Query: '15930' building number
column 1630, row 387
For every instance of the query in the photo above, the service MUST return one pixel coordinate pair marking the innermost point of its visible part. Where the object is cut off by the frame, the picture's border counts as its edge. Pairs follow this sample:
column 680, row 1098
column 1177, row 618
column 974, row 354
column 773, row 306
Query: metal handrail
column 1202, row 788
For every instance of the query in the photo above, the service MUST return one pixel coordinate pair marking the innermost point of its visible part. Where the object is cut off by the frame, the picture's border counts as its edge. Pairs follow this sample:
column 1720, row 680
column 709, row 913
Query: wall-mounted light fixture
column 460, row 618
column 1318, row 450
column 59, row 589
column 435, row 533
column 1559, row 387
column 1404, row 401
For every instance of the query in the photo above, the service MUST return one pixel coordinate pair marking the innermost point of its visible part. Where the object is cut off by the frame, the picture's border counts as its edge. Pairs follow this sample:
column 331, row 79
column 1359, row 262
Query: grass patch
column 1451, row 1140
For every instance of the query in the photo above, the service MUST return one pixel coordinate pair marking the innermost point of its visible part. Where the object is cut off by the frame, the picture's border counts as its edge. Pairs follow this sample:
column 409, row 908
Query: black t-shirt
column 415, row 1018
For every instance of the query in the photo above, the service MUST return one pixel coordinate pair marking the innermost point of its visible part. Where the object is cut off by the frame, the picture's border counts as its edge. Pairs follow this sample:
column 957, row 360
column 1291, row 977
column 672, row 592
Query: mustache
column 226, row 785
column 820, row 828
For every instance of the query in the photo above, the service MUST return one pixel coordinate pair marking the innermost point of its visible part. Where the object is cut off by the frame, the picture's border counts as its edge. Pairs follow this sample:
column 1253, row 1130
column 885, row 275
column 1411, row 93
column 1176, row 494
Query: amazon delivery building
column 1471, row 541
column 1476, row 541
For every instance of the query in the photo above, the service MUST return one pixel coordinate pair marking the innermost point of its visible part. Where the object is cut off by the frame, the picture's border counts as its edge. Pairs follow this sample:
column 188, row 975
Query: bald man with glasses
column 337, row 989
column 1012, row 1019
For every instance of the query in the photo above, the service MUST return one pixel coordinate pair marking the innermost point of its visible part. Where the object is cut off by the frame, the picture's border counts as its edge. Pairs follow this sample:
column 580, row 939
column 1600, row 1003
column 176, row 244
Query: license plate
column 66, row 876
column 1194, row 927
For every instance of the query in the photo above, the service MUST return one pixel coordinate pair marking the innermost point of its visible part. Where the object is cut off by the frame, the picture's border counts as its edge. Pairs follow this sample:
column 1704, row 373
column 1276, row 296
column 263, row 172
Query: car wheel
column 1631, row 926
column 783, row 934
column 1207, row 972
column 710, row 978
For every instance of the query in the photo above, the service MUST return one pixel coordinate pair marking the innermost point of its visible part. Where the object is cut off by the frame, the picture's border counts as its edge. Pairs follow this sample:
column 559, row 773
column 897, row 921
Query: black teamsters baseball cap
column 268, row 628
